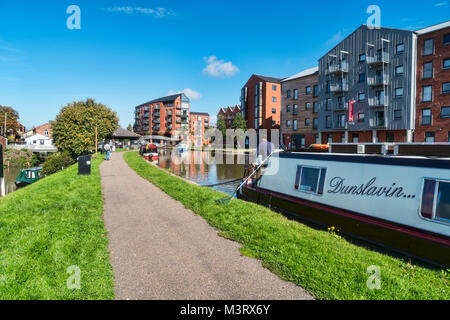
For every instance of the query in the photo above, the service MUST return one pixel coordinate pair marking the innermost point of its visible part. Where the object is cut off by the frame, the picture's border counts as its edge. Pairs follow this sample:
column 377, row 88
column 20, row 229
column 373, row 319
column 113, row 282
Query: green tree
column 12, row 119
column 221, row 125
column 74, row 127
column 239, row 123
column 130, row 127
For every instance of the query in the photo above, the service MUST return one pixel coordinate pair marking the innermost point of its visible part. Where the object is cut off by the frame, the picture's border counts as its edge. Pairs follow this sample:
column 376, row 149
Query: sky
column 129, row 52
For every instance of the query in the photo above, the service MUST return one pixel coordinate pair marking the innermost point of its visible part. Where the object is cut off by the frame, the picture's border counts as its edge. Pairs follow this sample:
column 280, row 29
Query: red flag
column 351, row 104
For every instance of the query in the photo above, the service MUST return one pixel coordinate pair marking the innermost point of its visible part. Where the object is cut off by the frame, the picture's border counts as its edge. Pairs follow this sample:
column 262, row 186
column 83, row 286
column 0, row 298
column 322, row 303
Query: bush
column 56, row 162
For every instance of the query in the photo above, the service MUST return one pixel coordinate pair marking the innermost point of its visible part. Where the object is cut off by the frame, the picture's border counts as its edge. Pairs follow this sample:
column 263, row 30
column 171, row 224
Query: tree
column 130, row 127
column 221, row 125
column 12, row 117
column 239, row 123
column 74, row 127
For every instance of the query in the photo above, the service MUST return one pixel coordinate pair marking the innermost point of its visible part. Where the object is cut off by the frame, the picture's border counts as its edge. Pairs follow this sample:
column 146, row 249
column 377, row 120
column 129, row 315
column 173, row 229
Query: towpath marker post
column 2, row 176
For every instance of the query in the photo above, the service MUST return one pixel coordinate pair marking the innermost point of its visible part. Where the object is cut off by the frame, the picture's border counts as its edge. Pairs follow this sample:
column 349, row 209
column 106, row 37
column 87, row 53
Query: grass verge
column 48, row 227
column 326, row 265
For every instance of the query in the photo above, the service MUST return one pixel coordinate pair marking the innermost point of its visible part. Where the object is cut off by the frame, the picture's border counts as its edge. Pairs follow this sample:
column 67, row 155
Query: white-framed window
column 310, row 179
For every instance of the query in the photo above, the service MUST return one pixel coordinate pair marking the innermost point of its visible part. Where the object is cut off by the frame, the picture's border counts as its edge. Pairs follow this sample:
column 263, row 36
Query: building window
column 315, row 123
column 428, row 47
column 427, row 94
column 447, row 39
column 288, row 94
column 398, row 114
column 316, row 107
column 295, row 94
column 389, row 137
column 295, row 111
column 355, row 138
column 274, row 110
column 362, row 77
column 445, row 112
column 379, row 119
column 274, row 99
column 316, row 91
column 330, row 139
column 399, row 92
column 274, row 87
column 429, row 137
column 362, row 57
column 446, row 87
column 426, row 117
column 328, row 122
column 307, row 122
column 307, row 105
column 295, row 125
column 399, row 70
column 361, row 117
column 427, row 72
column 361, row 96
column 288, row 123
column 288, row 108
column 341, row 121
column 308, row 90
column 328, row 86
column 274, row 123
column 328, row 104
column 46, row 133
column 446, row 64
column 400, row 48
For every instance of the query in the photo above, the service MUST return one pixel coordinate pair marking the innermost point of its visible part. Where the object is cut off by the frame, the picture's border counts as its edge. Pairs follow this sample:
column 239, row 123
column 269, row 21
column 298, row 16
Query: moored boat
column 28, row 176
column 150, row 152
column 398, row 202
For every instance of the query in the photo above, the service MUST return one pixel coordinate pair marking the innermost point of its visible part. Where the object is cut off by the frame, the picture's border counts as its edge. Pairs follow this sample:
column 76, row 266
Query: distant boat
column 28, row 176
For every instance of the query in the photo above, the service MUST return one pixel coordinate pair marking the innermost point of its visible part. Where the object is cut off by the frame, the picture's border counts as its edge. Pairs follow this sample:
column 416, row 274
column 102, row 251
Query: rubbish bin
column 84, row 165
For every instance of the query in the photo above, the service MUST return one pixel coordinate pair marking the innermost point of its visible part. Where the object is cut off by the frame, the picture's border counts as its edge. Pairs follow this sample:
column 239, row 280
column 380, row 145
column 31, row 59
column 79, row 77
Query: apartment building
column 163, row 116
column 367, row 87
column 261, row 102
column 229, row 113
column 199, row 123
column 433, row 84
column 300, row 109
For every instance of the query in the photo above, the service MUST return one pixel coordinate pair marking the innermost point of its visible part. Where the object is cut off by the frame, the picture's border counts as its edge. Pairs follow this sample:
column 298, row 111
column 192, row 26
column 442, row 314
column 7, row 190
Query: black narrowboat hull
column 410, row 242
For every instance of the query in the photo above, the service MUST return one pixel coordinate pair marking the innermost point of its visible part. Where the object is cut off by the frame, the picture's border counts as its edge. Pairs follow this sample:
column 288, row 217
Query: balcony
column 378, row 102
column 156, row 121
column 156, row 107
column 377, row 122
column 339, row 88
column 378, row 81
column 156, row 114
column 340, row 68
column 341, row 106
column 378, row 60
column 169, row 127
column 155, row 128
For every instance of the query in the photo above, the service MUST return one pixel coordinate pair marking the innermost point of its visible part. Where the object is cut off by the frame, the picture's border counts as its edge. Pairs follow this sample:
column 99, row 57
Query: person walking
column 107, row 148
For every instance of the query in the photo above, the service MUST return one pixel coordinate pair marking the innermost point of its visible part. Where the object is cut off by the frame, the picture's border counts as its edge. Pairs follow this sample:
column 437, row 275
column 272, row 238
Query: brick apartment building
column 261, row 102
column 433, row 84
column 229, row 113
column 299, row 109
column 163, row 116
column 199, row 122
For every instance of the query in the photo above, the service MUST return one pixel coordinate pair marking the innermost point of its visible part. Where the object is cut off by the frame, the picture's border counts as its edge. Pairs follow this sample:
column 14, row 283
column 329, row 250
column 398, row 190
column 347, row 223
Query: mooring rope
column 222, row 183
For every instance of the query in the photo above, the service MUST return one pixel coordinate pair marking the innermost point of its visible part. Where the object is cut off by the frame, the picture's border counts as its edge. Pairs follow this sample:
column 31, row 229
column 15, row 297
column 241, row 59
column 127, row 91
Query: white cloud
column 192, row 94
column 338, row 37
column 219, row 68
column 156, row 12
column 441, row 4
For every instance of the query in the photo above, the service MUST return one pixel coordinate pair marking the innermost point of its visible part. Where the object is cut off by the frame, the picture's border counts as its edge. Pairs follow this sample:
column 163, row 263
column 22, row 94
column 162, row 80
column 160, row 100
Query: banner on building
column 351, row 105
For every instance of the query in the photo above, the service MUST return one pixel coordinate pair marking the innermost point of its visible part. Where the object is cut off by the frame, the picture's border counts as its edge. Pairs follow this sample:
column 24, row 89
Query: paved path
column 161, row 250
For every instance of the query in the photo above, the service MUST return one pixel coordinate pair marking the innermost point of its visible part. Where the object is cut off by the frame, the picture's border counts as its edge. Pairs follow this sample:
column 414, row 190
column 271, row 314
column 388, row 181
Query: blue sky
column 129, row 52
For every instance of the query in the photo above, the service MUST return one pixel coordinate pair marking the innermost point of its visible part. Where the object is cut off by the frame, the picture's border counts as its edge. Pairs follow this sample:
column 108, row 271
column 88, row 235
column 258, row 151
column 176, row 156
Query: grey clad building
column 375, row 68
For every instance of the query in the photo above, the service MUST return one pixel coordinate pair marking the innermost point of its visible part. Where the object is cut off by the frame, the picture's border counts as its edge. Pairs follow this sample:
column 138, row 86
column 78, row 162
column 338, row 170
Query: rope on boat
column 222, row 183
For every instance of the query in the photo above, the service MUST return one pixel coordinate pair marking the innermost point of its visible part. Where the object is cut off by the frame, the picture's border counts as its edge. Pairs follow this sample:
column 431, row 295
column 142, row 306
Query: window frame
column 398, row 74
column 436, row 188
column 322, row 171
column 430, row 116
column 443, row 64
column 431, row 93
column 445, row 117
column 398, row 45
column 399, row 96
column 423, row 49
column 423, row 70
column 442, row 89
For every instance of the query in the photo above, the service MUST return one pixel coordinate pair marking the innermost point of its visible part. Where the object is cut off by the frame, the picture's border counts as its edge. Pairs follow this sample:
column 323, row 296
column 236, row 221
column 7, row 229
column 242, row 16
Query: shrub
column 56, row 162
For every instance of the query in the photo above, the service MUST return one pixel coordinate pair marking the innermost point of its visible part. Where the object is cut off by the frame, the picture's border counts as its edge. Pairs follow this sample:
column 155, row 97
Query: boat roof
column 33, row 169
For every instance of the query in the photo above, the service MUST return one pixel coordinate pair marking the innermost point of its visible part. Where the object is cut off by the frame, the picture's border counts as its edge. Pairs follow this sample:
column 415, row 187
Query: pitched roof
column 268, row 79
column 123, row 133
column 302, row 74
column 434, row 27
column 166, row 99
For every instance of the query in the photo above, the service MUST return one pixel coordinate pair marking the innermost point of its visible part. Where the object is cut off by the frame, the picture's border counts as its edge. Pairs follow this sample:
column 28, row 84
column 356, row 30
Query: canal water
column 11, row 174
column 198, row 167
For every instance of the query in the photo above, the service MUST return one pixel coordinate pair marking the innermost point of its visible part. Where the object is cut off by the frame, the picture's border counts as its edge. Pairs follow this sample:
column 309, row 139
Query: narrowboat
column 402, row 203
column 150, row 152
column 28, row 176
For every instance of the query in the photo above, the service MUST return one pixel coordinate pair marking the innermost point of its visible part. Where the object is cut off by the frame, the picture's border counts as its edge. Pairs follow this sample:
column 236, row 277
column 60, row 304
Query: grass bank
column 48, row 227
column 323, row 263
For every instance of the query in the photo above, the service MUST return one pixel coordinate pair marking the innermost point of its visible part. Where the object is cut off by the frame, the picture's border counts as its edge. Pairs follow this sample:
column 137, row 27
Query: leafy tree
column 56, row 162
column 130, row 127
column 74, row 127
column 221, row 125
column 12, row 117
column 239, row 123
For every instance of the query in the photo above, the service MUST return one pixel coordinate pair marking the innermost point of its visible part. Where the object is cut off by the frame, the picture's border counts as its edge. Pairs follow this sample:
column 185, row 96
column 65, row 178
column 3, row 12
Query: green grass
column 326, row 265
column 49, row 226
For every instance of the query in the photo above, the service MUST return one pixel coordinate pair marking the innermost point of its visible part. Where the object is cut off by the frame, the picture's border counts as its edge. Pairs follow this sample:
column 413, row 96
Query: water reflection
column 11, row 174
column 198, row 166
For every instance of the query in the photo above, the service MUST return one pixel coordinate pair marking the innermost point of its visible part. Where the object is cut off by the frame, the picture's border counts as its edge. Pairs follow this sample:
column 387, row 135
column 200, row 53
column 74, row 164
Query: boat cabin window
column 31, row 175
column 310, row 179
column 436, row 200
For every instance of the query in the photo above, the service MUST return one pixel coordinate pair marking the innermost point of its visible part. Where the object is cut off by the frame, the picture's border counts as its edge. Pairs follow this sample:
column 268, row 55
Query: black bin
column 84, row 165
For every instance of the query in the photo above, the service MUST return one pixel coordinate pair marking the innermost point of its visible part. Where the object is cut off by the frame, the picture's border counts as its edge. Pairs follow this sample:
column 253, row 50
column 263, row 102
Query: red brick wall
column 440, row 126
column 365, row 136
